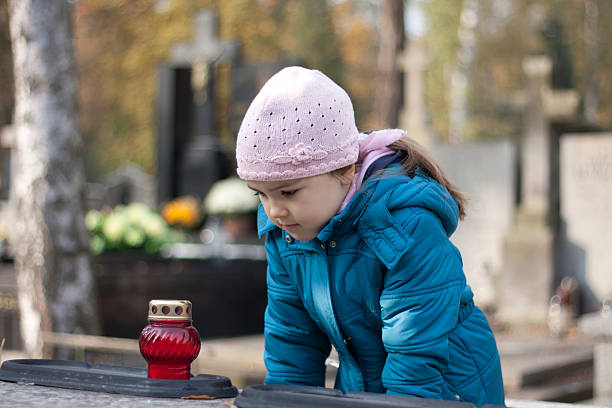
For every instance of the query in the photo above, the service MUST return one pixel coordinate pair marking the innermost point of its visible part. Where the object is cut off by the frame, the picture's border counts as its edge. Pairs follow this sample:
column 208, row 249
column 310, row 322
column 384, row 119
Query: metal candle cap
column 162, row 309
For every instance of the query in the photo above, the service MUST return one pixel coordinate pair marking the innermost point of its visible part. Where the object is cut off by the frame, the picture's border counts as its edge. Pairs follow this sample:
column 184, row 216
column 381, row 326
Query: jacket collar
column 264, row 224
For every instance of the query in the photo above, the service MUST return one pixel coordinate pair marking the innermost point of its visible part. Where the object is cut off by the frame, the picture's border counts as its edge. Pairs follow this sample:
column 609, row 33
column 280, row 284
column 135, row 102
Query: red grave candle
column 169, row 343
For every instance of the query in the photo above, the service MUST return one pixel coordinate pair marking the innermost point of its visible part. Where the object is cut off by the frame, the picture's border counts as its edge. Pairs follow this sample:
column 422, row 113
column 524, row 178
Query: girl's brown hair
column 416, row 157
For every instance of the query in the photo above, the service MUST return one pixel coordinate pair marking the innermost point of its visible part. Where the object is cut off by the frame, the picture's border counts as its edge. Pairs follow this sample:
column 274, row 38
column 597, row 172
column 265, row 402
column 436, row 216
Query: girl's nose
column 277, row 210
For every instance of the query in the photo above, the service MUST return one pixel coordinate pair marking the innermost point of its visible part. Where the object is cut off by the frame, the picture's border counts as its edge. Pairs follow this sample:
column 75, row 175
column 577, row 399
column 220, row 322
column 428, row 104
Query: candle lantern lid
column 165, row 309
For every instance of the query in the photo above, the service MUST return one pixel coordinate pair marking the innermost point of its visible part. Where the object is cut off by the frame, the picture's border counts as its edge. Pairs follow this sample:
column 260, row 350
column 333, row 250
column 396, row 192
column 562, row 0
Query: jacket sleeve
column 295, row 347
column 419, row 307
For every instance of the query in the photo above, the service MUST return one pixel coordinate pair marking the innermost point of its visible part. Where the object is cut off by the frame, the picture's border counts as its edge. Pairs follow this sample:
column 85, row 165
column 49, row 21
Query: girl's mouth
column 288, row 227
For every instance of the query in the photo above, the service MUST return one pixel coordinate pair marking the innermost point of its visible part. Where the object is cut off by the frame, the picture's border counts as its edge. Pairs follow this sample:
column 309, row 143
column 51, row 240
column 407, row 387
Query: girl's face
column 303, row 206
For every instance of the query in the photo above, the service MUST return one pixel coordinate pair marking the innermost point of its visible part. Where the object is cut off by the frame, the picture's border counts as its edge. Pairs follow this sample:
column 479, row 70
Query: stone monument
column 527, row 278
column 586, row 205
column 189, row 157
column 413, row 118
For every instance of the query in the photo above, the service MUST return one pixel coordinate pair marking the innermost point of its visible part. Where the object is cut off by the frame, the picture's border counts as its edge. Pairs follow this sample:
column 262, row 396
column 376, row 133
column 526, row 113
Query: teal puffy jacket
column 382, row 283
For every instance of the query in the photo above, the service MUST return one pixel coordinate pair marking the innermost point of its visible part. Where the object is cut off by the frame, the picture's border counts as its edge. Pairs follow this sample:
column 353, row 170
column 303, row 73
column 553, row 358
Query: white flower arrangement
column 230, row 196
column 133, row 226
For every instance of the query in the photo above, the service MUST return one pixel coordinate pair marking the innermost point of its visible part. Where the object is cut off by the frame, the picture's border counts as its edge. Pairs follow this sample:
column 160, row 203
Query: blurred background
column 117, row 180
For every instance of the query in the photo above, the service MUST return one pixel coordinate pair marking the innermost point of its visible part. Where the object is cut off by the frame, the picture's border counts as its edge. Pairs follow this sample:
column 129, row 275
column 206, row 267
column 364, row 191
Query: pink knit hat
column 301, row 124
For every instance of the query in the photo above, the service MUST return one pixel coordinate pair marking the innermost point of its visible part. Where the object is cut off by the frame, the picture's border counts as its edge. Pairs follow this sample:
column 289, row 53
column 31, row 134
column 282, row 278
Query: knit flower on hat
column 300, row 154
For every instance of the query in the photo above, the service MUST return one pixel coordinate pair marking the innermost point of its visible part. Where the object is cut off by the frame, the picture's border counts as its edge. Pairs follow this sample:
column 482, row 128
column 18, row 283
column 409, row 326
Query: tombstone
column 128, row 184
column 485, row 171
column 189, row 157
column 413, row 118
column 528, row 260
column 586, row 204
column 459, row 77
column 535, row 143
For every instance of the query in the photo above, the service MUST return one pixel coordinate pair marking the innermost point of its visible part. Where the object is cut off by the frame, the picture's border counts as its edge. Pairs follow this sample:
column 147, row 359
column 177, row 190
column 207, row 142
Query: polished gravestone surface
column 113, row 379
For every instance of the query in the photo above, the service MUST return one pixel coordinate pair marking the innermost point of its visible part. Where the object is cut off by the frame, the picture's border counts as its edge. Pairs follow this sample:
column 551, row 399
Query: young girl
column 357, row 236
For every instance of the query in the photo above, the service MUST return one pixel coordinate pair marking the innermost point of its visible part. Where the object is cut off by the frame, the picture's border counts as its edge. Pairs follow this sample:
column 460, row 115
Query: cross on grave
column 205, row 50
column 413, row 117
column 528, row 254
column 189, row 157
column 542, row 105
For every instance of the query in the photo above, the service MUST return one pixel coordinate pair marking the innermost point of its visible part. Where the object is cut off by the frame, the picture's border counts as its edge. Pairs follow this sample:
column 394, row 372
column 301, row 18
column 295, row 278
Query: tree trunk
column 388, row 99
column 54, row 277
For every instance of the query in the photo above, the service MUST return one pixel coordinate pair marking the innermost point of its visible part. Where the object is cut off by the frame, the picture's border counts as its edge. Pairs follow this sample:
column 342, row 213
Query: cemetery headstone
column 586, row 205
column 413, row 118
column 535, row 143
column 189, row 155
column 485, row 171
column 527, row 274
column 527, row 277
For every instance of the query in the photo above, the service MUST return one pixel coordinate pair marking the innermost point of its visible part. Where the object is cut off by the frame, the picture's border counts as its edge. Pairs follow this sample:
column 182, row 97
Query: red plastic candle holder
column 169, row 343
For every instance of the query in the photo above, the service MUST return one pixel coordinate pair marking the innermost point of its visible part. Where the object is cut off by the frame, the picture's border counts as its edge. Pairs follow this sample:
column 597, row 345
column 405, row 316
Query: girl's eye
column 288, row 193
